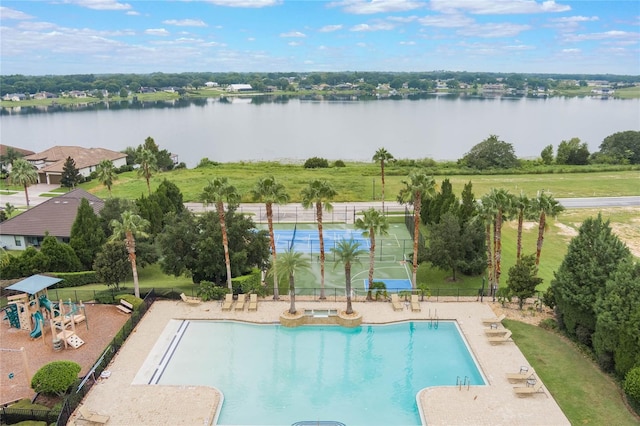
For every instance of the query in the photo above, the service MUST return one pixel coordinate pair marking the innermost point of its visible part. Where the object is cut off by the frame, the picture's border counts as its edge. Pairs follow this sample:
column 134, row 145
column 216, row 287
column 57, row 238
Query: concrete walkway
column 128, row 402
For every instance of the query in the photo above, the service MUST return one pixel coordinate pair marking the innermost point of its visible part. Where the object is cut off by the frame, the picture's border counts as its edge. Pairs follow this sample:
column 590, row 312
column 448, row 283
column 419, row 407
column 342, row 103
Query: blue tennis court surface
column 392, row 284
column 308, row 241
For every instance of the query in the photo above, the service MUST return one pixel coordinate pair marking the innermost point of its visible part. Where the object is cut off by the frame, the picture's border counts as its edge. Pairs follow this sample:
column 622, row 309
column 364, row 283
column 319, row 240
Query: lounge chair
column 240, row 302
column 495, row 331
column 522, row 375
column 190, row 299
column 253, row 302
column 529, row 390
column 415, row 303
column 228, row 302
column 92, row 417
column 493, row 320
column 500, row 339
column 397, row 305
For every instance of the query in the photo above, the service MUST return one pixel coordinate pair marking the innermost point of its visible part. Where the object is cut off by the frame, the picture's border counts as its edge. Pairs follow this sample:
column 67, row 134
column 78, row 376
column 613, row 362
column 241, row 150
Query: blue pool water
column 274, row 375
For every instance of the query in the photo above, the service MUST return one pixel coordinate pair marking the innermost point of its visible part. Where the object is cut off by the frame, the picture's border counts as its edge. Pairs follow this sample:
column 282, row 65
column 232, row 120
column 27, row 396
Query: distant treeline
column 284, row 80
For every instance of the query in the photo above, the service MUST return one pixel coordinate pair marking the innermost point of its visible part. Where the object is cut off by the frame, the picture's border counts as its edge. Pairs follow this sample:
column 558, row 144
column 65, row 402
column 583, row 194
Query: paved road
column 341, row 211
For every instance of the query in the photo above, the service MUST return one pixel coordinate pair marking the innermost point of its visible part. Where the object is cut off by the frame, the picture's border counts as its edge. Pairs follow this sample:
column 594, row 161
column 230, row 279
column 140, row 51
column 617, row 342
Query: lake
column 294, row 129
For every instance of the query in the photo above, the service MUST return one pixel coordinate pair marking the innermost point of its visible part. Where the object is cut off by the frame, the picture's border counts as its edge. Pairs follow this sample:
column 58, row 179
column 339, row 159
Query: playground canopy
column 34, row 284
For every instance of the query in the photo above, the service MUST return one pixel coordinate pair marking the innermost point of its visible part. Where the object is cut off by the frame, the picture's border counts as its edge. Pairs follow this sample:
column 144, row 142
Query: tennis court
column 390, row 265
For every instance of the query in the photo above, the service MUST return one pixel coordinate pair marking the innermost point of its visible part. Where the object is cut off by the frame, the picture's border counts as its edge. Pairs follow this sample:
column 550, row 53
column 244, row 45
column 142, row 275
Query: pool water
column 274, row 375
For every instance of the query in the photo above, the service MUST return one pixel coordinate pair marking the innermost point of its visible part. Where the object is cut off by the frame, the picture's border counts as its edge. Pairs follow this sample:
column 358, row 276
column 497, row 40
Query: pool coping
column 494, row 403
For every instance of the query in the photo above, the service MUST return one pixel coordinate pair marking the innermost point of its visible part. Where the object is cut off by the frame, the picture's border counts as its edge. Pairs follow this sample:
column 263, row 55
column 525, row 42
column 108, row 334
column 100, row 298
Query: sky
column 521, row 36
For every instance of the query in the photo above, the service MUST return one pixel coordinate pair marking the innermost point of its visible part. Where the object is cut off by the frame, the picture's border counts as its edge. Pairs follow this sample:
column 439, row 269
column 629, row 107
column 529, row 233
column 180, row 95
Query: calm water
column 363, row 376
column 442, row 127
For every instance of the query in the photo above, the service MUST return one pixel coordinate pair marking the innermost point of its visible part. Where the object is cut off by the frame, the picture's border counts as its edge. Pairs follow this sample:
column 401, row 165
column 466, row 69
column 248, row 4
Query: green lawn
column 361, row 181
column 584, row 393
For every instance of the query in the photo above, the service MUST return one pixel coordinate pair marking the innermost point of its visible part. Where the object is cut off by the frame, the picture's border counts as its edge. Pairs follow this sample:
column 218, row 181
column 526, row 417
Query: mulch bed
column 103, row 323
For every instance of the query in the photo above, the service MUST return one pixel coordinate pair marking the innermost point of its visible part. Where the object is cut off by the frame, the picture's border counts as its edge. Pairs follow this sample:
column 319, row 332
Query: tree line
column 115, row 82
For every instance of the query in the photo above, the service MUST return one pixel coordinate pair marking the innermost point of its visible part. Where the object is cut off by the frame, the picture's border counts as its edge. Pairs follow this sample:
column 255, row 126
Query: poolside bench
column 125, row 306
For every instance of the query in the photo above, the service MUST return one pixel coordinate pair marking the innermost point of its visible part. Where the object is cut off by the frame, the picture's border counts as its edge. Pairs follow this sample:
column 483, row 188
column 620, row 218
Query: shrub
column 135, row 301
column 55, row 377
column 75, row 279
column 549, row 324
column 210, row 291
column 339, row 163
column 380, row 289
column 205, row 162
column 316, row 163
column 632, row 386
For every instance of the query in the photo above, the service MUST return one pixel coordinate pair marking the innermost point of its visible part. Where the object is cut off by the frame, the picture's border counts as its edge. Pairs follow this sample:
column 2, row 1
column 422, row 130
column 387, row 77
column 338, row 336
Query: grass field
column 584, row 393
column 361, row 181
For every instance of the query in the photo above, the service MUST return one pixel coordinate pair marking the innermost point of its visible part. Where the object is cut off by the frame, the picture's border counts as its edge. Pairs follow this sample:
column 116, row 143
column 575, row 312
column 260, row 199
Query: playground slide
column 37, row 329
column 46, row 303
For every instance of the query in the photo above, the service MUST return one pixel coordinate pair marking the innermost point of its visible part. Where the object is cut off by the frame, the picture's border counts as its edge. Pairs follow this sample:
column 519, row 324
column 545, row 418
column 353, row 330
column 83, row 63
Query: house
column 239, row 88
column 4, row 150
column 211, row 84
column 55, row 217
column 50, row 163
column 14, row 97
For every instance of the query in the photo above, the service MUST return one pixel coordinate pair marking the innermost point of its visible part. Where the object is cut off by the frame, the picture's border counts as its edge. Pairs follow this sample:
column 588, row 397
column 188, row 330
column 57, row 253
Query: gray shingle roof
column 55, row 216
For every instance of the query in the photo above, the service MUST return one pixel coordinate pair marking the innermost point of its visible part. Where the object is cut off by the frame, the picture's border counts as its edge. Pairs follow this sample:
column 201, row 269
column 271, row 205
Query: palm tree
column 217, row 192
column 381, row 156
column 502, row 201
column 486, row 213
column 419, row 187
column 271, row 191
column 372, row 222
column 347, row 252
column 287, row 265
column 23, row 174
column 130, row 225
column 547, row 206
column 317, row 193
column 106, row 174
column 523, row 207
column 148, row 165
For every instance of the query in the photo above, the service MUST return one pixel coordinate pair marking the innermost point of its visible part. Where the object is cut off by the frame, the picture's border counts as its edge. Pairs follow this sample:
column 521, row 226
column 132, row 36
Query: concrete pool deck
column 495, row 404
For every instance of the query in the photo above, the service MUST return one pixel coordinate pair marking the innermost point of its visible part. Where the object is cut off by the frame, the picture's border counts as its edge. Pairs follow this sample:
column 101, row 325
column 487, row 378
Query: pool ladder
column 460, row 383
column 433, row 320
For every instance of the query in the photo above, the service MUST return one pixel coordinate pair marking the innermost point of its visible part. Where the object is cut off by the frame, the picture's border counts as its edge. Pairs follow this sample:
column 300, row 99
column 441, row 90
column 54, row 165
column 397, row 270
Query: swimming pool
column 270, row 374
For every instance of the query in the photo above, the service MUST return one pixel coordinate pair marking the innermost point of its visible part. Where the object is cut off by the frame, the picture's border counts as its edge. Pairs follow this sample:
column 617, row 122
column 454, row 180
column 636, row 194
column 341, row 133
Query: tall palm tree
column 130, row 226
column 287, row 265
column 23, row 174
column 106, row 174
column 486, row 213
column 381, row 156
column 271, row 191
column 502, row 201
column 217, row 192
column 347, row 252
column 523, row 207
column 546, row 205
column 317, row 193
column 372, row 222
column 148, row 165
column 417, row 188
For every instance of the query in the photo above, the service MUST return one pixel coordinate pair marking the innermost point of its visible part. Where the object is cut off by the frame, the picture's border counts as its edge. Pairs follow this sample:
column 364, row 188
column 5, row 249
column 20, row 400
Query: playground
column 36, row 331
column 390, row 252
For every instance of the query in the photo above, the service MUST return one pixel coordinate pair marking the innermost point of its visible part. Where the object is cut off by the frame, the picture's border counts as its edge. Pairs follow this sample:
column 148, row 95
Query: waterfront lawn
column 584, row 393
column 361, row 181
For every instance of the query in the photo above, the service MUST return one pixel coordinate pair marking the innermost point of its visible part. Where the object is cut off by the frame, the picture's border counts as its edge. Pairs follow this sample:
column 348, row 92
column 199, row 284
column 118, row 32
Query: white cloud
column 185, row 22
column 493, row 30
column 297, row 34
column 251, row 39
column 330, row 28
column 294, row 43
column 368, row 7
column 572, row 19
column 7, row 13
column 380, row 26
column 497, row 7
column 446, row 21
column 361, row 44
column 407, row 43
column 132, row 13
column 571, row 51
column 157, row 32
column 613, row 34
column 100, row 4
column 246, row 3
